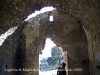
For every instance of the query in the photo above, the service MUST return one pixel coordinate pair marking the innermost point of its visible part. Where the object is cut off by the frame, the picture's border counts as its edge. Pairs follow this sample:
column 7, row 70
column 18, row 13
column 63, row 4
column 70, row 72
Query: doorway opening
column 50, row 58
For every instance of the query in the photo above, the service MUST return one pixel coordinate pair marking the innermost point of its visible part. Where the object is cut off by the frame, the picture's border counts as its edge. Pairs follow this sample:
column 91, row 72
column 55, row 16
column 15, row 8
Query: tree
column 49, row 60
column 44, row 65
column 56, row 54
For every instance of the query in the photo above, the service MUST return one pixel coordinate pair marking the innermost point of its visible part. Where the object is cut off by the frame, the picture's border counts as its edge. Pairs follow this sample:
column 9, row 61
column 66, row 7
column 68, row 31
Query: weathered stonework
column 75, row 28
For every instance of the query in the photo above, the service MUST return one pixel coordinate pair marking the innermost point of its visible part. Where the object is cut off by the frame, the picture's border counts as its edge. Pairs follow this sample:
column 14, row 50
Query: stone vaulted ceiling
column 13, row 12
column 87, row 14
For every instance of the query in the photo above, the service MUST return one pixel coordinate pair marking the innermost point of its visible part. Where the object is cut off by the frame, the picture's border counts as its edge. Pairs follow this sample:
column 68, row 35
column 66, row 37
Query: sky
column 6, row 34
column 43, row 10
column 47, row 50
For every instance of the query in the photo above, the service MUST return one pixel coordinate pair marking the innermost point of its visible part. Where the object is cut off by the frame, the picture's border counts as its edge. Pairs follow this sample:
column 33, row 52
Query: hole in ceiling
column 43, row 10
column 6, row 34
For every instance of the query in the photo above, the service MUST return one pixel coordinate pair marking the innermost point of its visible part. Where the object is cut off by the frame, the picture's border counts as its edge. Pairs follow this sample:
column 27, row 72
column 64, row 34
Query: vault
column 66, row 31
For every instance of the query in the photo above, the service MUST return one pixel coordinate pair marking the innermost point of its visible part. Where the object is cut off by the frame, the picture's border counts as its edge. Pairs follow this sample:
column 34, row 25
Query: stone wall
column 6, row 56
column 28, row 41
column 71, row 37
column 86, row 13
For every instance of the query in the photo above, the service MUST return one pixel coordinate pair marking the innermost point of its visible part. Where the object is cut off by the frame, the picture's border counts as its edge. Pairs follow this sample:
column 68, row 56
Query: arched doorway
column 50, row 58
column 66, row 32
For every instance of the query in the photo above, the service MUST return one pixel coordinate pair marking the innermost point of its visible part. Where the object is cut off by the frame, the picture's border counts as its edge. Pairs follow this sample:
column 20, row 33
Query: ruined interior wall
column 8, row 51
column 71, row 37
column 67, row 33
column 6, row 56
column 27, row 50
column 93, row 40
column 77, row 58
column 14, row 12
column 86, row 11
column 64, row 31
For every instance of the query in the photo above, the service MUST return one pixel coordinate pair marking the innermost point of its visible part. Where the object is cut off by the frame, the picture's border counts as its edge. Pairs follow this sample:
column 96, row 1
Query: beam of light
column 43, row 10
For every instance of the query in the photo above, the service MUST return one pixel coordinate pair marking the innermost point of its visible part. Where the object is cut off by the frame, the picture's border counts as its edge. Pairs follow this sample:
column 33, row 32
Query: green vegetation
column 52, row 62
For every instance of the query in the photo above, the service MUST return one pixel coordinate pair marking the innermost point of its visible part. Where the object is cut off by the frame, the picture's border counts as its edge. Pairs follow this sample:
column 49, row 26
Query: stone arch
column 87, row 12
column 65, row 31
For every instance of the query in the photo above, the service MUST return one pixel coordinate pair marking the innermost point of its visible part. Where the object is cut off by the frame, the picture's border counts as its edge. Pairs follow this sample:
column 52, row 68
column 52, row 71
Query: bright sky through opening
column 47, row 50
column 51, row 18
column 43, row 10
column 6, row 34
